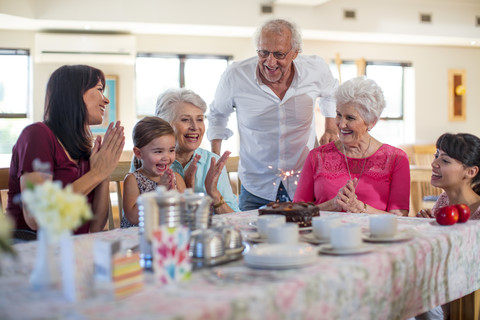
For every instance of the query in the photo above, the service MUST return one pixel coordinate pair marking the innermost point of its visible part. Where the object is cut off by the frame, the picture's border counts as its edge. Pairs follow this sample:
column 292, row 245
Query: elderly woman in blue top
column 202, row 170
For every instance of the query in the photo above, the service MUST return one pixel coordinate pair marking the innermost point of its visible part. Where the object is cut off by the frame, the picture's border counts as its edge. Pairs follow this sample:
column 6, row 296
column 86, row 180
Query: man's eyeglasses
column 277, row 54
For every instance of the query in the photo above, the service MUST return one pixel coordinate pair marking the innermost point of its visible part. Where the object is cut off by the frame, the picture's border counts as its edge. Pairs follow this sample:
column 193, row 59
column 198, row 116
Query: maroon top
column 38, row 141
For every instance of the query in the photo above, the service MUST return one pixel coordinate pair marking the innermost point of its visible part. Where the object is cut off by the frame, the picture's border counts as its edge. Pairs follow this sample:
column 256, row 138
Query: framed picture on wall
column 111, row 85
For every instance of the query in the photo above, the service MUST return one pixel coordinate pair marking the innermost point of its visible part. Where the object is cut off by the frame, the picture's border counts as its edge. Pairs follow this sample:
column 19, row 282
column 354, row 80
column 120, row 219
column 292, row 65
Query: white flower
column 56, row 210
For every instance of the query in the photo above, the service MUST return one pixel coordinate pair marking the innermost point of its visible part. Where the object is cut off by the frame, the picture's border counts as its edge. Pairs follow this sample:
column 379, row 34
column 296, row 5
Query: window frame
column 23, row 52
column 393, row 64
column 182, row 57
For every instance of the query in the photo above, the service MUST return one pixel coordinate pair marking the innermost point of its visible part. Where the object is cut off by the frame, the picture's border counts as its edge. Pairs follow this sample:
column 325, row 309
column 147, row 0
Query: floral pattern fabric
column 394, row 281
column 144, row 185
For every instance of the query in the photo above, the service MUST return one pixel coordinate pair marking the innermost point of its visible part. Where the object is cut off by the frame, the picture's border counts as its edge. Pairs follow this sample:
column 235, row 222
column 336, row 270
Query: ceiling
column 453, row 22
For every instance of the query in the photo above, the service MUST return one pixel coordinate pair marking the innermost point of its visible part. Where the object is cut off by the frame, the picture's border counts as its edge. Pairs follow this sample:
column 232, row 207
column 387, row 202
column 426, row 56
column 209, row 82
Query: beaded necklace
column 364, row 163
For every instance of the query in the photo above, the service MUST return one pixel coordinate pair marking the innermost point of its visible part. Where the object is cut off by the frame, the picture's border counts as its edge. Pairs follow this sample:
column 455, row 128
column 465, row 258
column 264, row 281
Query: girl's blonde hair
column 146, row 130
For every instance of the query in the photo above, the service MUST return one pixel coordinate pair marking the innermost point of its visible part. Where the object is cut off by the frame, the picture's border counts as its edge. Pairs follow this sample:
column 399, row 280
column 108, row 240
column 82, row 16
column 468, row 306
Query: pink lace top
column 384, row 183
column 443, row 202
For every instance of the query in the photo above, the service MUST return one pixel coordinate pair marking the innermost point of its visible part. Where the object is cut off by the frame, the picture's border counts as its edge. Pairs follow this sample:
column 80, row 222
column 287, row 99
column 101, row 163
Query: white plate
column 310, row 238
column 278, row 266
column 254, row 224
column 255, row 237
column 401, row 236
column 328, row 249
column 435, row 223
column 280, row 256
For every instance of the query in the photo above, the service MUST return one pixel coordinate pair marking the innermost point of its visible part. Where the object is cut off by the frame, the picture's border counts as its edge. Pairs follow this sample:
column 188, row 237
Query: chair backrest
column 232, row 170
column 4, row 176
column 117, row 177
column 420, row 173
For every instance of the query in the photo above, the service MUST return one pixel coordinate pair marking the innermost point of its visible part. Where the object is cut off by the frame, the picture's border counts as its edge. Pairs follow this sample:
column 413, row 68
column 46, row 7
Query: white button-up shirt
column 275, row 135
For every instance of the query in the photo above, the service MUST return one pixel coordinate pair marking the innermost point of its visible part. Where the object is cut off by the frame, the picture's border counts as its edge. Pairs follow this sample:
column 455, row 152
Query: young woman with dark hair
column 455, row 169
column 74, row 101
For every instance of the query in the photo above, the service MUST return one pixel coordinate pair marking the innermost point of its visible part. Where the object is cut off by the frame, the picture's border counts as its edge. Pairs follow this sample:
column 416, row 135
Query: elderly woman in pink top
column 357, row 173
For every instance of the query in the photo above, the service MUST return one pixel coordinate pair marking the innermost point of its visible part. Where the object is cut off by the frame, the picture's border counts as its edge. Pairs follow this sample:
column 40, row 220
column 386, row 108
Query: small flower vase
column 67, row 266
column 45, row 273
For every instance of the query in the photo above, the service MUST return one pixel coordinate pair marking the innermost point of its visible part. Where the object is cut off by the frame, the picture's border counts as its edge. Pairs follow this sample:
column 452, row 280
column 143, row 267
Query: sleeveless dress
column 144, row 185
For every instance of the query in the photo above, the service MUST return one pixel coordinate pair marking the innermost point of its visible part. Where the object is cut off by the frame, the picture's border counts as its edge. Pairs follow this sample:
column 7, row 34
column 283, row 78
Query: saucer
column 436, row 224
column 400, row 236
column 235, row 253
column 254, row 224
column 310, row 238
column 280, row 256
column 328, row 249
column 255, row 237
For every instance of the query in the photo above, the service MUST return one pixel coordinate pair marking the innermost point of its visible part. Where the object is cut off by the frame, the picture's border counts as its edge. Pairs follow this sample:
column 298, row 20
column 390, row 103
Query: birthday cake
column 299, row 212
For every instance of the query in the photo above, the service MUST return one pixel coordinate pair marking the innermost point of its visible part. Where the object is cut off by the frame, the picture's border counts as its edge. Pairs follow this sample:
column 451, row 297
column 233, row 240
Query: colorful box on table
column 123, row 271
column 171, row 259
column 127, row 275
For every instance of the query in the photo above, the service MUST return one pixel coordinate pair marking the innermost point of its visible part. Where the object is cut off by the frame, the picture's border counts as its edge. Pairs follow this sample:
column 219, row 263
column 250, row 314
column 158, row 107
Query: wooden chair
column 232, row 170
column 420, row 174
column 117, row 178
column 4, row 176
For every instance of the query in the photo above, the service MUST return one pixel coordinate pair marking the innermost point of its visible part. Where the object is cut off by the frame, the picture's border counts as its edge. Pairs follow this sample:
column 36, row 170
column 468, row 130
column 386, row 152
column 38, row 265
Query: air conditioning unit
column 80, row 48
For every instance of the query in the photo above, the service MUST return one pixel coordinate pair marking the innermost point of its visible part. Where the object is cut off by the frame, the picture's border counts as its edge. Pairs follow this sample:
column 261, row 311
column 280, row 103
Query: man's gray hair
column 366, row 94
column 278, row 26
column 167, row 103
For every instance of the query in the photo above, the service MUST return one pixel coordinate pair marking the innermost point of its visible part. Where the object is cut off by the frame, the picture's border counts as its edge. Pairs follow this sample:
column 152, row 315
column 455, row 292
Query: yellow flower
column 55, row 209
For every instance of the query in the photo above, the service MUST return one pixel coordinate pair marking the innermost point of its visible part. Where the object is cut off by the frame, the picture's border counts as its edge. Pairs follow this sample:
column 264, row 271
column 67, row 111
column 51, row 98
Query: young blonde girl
column 154, row 149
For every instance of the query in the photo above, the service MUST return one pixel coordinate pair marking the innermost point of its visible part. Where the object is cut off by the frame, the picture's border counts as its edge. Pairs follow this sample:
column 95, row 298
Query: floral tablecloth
column 394, row 281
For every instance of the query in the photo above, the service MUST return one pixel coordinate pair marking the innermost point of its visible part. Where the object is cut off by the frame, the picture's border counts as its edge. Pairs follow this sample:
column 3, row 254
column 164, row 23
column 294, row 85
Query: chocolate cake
column 299, row 212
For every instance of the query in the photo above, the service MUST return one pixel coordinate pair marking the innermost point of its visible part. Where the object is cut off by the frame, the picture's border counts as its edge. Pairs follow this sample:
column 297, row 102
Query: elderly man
column 274, row 97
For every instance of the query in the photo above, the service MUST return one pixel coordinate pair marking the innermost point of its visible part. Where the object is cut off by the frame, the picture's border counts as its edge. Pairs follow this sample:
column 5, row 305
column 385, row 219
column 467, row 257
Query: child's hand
column 167, row 179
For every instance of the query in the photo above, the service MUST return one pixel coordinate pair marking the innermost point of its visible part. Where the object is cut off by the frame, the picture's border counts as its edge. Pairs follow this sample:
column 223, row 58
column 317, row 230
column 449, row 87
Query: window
column 156, row 73
column 15, row 97
column 396, row 125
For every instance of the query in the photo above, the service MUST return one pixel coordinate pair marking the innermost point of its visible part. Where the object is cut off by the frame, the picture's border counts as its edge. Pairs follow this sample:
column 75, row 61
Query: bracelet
column 364, row 208
column 220, row 203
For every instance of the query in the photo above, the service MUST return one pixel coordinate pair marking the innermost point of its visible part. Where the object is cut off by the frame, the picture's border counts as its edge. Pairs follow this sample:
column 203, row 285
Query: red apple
column 447, row 215
column 463, row 212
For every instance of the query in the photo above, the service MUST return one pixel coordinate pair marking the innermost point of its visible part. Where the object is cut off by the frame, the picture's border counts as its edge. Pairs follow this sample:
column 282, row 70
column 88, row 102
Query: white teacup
column 346, row 236
column 265, row 220
column 321, row 226
column 383, row 226
column 286, row 233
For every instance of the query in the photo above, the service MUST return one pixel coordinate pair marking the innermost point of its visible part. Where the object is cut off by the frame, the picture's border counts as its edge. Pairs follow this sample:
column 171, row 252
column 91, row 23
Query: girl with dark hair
column 154, row 149
column 74, row 100
column 455, row 169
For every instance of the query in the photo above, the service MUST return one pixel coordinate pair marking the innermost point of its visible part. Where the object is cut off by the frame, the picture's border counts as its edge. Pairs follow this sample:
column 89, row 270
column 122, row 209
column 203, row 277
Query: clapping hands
column 107, row 152
column 211, row 180
column 346, row 199
column 189, row 175
column 167, row 179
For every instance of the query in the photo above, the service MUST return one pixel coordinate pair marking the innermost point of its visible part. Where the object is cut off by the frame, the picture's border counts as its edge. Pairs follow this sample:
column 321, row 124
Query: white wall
column 431, row 65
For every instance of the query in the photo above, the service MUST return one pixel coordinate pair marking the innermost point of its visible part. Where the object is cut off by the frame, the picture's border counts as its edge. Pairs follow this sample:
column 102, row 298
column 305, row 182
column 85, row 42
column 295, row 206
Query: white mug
column 346, row 236
column 286, row 233
column 321, row 226
column 383, row 226
column 265, row 220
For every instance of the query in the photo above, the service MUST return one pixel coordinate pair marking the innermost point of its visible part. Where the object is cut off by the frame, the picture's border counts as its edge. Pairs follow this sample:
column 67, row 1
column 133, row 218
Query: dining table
column 434, row 265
